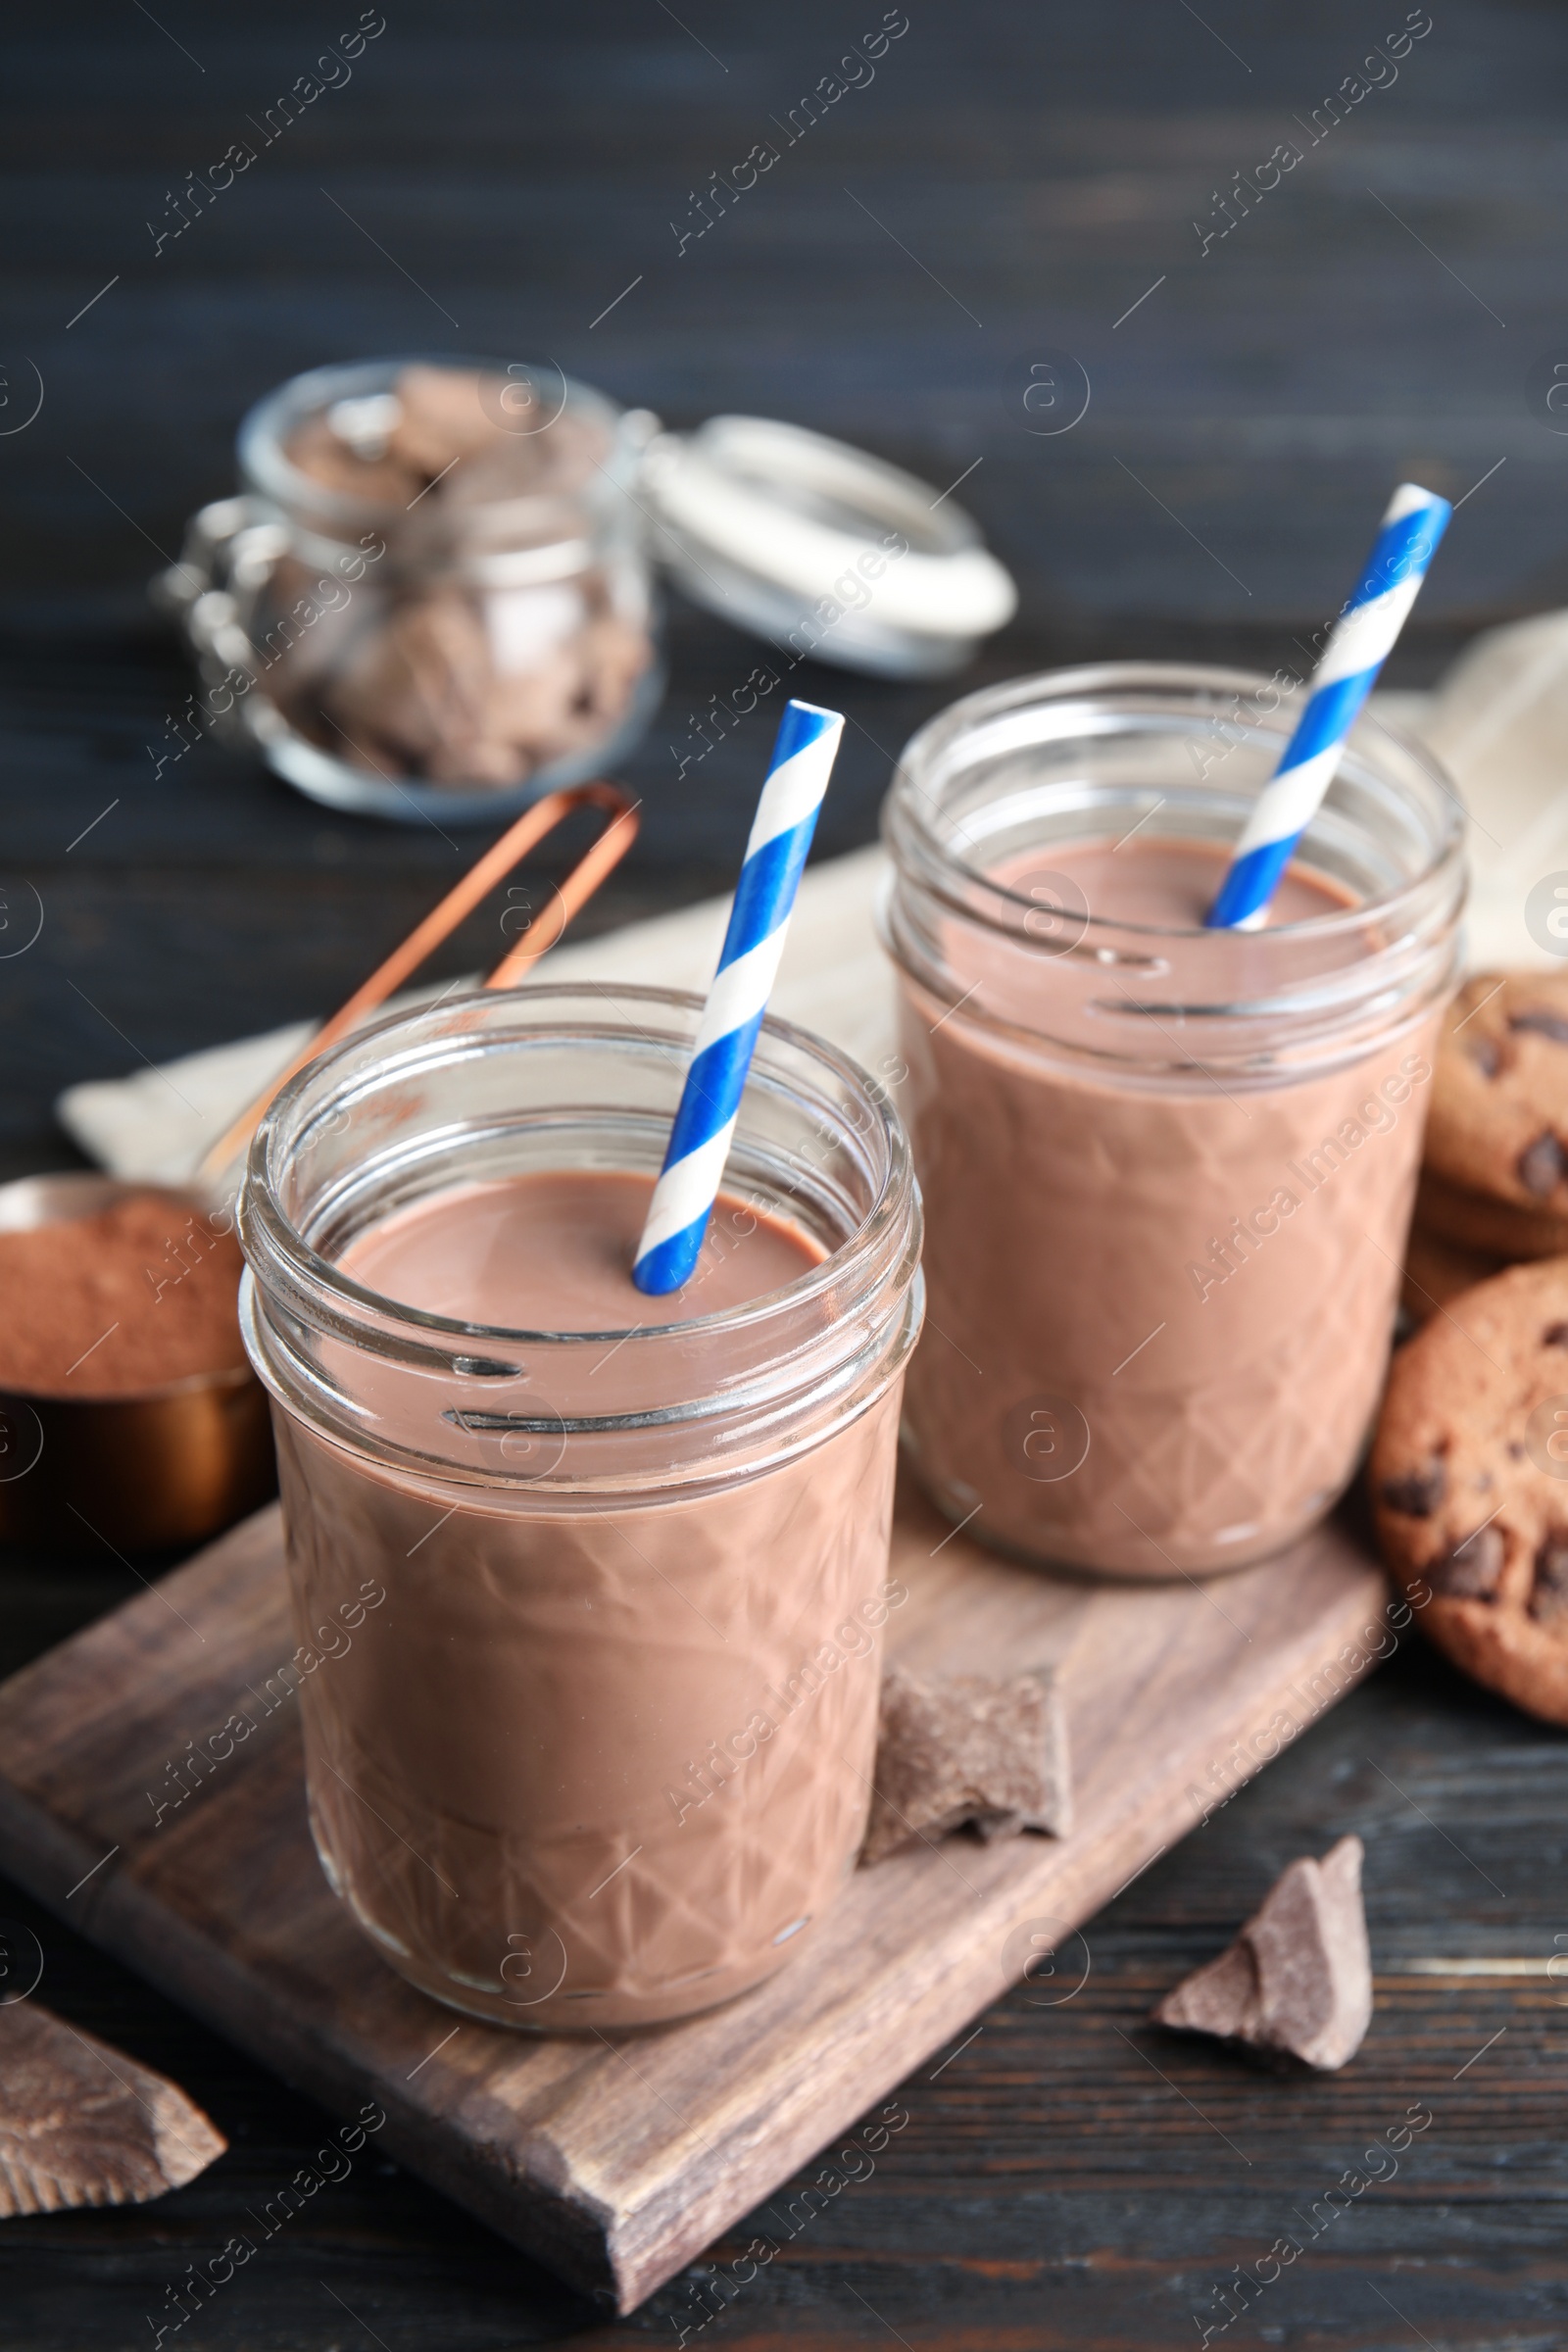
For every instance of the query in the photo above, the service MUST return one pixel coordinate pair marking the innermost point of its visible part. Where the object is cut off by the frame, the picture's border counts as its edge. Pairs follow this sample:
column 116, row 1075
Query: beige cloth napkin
column 1499, row 725
column 1499, row 721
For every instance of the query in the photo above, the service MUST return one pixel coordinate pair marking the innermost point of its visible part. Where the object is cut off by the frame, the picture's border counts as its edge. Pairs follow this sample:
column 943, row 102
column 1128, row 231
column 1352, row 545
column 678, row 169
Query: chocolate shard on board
column 963, row 1751
column 82, row 2123
column 1298, row 1976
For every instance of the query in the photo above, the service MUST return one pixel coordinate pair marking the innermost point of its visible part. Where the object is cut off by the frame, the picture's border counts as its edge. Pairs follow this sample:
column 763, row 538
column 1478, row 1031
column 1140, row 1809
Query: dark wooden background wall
column 1012, row 181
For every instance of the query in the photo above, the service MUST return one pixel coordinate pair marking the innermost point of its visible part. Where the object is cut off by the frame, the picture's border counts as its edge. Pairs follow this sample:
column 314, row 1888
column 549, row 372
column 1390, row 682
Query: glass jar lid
column 810, row 542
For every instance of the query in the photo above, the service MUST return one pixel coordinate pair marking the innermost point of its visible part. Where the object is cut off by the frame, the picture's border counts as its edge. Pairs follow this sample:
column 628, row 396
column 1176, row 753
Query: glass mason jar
column 1168, row 1174
column 589, row 1623
column 432, row 594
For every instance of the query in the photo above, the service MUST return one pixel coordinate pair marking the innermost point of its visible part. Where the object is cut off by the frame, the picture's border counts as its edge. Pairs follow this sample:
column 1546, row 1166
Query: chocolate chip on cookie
column 1498, row 1120
column 1470, row 1571
column 1418, row 1495
column 1469, row 1480
column 1540, row 1167
column 1542, row 1023
column 1548, row 1596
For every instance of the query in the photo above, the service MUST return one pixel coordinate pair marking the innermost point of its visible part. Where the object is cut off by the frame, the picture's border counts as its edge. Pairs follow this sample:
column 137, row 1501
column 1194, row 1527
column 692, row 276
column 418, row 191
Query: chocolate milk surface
column 604, row 1760
column 1159, row 1304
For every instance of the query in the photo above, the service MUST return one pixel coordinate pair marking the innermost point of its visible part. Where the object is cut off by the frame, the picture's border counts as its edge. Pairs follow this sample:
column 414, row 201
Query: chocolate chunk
column 1555, row 1335
column 1548, row 1596
column 82, row 2123
column 1419, row 1492
column 1470, row 1571
column 961, row 1749
column 1541, row 1024
column 1487, row 1055
column 1298, row 1976
column 1540, row 1167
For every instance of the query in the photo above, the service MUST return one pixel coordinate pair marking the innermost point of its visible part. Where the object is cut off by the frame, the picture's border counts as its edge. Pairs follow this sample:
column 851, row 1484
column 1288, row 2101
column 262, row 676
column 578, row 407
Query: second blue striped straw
column 1361, row 641
column 726, row 1037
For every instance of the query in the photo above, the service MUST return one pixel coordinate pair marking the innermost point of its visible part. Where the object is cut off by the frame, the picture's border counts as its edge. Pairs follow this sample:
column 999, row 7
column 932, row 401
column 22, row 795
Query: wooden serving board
column 616, row 2158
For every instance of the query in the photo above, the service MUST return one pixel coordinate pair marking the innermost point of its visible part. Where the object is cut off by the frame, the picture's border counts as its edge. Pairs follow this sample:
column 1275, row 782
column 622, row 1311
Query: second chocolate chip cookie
column 1470, row 1483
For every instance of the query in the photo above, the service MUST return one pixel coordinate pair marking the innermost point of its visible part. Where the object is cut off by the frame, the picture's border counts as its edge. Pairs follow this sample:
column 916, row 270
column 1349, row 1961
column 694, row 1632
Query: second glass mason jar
column 1167, row 1172
column 590, row 1621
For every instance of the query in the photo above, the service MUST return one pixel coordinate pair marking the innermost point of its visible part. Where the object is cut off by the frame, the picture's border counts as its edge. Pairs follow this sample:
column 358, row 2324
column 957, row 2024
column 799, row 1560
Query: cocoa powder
column 143, row 1294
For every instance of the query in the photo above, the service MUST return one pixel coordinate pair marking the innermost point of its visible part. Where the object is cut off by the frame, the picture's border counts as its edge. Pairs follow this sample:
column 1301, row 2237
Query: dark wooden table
column 1015, row 181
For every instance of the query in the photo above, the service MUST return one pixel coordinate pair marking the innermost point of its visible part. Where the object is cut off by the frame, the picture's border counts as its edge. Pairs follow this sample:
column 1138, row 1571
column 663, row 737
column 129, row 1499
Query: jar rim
column 798, row 1363
column 260, row 1204
column 261, row 448
column 903, row 820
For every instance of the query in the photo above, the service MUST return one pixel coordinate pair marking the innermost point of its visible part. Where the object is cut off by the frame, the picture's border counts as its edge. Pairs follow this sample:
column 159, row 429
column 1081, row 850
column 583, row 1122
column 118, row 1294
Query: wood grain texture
column 82, row 2123
column 617, row 2158
column 1051, row 2188
column 1061, row 2180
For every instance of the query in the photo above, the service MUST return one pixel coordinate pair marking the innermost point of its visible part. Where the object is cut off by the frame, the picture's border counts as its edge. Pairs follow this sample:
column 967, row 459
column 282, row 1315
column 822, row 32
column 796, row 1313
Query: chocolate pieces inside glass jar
column 497, row 642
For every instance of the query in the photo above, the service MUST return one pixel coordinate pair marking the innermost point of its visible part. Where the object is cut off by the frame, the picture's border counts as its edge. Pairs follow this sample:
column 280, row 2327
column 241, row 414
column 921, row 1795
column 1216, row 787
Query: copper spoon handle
column 586, row 877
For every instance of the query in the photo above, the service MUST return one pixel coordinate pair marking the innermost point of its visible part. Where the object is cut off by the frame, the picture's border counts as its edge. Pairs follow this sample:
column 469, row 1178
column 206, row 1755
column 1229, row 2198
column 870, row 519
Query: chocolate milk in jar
column 1167, row 1172
column 600, row 1749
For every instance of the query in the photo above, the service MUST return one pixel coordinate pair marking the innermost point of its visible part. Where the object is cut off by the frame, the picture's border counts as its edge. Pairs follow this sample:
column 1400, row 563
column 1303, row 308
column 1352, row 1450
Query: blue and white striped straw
column 726, row 1036
column 1362, row 640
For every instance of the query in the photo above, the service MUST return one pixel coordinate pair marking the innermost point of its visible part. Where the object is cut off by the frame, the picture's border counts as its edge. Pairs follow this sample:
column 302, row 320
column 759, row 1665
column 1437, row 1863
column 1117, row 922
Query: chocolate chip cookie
column 1470, row 1484
column 1498, row 1127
